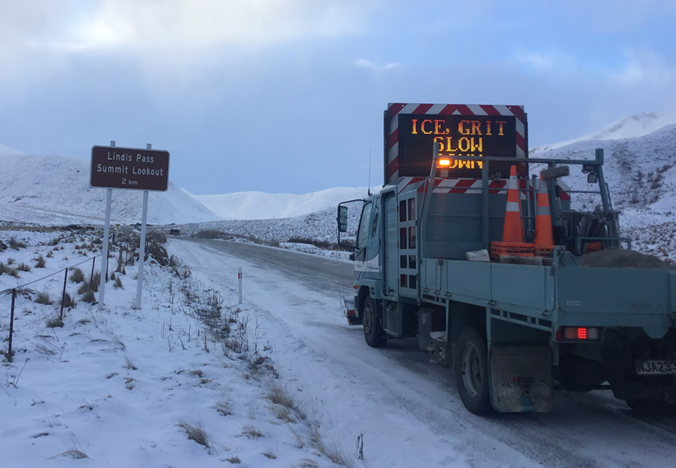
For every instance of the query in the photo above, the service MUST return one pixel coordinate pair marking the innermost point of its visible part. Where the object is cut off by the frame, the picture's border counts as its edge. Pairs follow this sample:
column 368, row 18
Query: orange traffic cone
column 544, row 240
column 513, row 231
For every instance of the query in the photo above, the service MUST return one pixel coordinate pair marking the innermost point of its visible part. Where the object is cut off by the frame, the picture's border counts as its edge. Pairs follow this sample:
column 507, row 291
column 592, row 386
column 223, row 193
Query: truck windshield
column 364, row 224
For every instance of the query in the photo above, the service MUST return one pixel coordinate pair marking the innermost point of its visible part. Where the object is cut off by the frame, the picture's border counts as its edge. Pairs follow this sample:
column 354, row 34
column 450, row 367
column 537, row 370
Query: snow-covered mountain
column 632, row 127
column 641, row 174
column 56, row 190
column 7, row 150
column 260, row 205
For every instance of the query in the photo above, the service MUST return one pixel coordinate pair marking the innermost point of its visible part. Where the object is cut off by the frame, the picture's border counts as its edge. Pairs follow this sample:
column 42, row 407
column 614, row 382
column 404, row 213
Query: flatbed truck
column 513, row 328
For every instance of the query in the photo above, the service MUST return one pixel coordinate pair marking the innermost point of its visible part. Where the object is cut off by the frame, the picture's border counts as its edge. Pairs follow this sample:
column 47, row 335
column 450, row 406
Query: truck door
column 390, row 253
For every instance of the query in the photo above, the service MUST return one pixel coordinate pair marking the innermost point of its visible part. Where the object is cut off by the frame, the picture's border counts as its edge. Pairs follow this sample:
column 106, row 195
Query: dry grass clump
column 43, row 298
column 223, row 408
column 280, row 396
column 55, row 322
column 234, row 460
column 40, row 262
column 96, row 280
column 195, row 433
column 74, row 454
column 16, row 245
column 23, row 267
column 76, row 276
column 86, row 292
column 67, row 301
column 10, row 261
column 12, row 272
column 118, row 283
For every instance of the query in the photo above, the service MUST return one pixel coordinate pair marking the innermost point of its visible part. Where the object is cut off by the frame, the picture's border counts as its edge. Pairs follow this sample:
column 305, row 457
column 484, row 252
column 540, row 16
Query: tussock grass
column 23, row 267
column 67, row 301
column 74, row 454
column 55, row 322
column 10, row 261
column 76, row 276
column 16, row 245
column 281, row 396
column 87, row 295
column 40, row 262
column 332, row 451
column 43, row 298
column 223, row 408
column 96, row 279
column 234, row 460
column 195, row 433
column 128, row 364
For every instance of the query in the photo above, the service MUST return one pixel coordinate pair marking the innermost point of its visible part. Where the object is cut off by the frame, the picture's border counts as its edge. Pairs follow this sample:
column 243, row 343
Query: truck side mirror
column 342, row 218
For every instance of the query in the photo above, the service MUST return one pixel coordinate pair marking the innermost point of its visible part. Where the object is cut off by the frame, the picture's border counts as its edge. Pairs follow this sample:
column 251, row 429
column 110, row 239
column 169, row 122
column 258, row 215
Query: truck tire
column 373, row 329
column 471, row 372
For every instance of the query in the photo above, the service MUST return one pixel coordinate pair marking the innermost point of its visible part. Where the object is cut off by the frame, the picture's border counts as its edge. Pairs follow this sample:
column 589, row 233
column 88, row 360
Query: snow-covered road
column 407, row 409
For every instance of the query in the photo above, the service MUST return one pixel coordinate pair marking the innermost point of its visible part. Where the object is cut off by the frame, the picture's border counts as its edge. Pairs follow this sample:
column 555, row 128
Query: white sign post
column 142, row 247
column 104, row 253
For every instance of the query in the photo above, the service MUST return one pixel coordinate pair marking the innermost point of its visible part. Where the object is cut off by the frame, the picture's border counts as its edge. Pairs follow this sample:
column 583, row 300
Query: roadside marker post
column 239, row 284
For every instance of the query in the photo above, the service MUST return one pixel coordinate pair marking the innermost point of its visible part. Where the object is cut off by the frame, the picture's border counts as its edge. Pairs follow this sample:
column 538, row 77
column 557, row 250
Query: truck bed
column 565, row 293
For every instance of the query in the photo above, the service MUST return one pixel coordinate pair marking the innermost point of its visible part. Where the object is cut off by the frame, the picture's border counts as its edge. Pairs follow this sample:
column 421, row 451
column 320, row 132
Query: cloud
column 179, row 25
column 644, row 68
column 364, row 63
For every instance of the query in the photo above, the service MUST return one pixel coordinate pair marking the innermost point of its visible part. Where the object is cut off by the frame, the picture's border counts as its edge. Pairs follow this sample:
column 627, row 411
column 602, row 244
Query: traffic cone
column 512, row 243
column 513, row 228
column 544, row 240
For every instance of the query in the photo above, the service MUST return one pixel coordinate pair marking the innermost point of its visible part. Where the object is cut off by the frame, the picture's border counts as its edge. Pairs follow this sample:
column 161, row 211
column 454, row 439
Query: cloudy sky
column 287, row 95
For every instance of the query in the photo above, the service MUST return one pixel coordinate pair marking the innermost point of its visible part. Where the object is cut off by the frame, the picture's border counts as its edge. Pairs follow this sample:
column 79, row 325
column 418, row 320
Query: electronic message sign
column 474, row 136
column 129, row 168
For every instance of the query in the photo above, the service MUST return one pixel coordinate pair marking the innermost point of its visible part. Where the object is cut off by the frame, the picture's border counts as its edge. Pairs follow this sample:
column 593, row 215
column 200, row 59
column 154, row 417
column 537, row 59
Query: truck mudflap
column 350, row 311
column 521, row 379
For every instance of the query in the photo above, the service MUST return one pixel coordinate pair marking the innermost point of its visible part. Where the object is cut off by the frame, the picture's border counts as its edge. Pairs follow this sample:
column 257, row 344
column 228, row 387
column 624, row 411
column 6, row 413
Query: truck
column 515, row 320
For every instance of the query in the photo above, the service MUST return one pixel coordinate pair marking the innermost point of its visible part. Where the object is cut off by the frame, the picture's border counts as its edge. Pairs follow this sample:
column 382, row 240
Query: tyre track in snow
column 588, row 430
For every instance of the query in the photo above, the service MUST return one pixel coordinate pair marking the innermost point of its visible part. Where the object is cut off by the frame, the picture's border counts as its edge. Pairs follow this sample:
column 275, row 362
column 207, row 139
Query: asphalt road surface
column 584, row 430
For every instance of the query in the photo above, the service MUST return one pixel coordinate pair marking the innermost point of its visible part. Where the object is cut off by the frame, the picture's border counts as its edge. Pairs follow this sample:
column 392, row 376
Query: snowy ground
column 117, row 385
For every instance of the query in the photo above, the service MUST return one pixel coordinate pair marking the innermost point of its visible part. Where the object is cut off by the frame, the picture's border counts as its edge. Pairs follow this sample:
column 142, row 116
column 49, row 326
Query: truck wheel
column 471, row 372
column 373, row 330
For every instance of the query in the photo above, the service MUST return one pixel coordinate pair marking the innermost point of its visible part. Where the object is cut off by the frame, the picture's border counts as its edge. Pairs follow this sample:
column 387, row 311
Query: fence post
column 239, row 284
column 63, row 294
column 91, row 277
column 11, row 327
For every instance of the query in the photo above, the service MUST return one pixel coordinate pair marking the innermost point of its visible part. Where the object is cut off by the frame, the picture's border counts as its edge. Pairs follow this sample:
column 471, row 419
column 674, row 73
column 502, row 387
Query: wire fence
column 17, row 291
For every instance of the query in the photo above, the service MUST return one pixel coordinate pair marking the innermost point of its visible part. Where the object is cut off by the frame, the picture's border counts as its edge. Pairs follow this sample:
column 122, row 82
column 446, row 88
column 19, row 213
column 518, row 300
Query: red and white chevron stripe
column 454, row 185
column 392, row 168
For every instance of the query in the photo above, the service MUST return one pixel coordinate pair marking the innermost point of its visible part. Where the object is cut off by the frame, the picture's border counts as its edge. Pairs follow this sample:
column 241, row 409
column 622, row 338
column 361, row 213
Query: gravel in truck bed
column 621, row 258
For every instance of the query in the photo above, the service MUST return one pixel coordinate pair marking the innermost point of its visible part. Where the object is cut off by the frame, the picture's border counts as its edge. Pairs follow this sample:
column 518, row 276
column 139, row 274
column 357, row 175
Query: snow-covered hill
column 56, row 190
column 641, row 174
column 7, row 150
column 632, row 127
column 260, row 205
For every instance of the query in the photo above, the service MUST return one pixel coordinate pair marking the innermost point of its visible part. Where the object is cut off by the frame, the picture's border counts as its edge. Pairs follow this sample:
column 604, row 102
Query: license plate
column 656, row 367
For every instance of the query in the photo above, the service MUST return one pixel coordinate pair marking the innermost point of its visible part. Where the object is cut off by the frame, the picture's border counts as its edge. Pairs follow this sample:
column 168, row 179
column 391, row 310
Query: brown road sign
column 129, row 168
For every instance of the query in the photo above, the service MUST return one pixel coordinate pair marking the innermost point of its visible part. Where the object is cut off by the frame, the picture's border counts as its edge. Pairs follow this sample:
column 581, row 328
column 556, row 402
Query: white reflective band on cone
column 513, row 206
column 543, row 210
